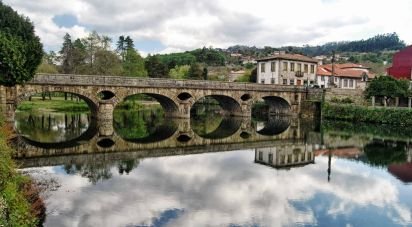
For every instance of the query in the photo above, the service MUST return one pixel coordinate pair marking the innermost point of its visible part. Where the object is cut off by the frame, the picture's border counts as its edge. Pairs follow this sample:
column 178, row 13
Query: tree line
column 93, row 55
column 382, row 42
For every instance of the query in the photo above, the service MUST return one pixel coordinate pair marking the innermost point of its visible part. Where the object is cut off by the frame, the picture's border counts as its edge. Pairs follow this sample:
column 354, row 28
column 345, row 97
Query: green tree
column 155, row 68
column 179, row 72
column 388, row 87
column 121, row 49
column 20, row 49
column 92, row 46
column 66, row 55
column 47, row 67
column 196, row 71
column 253, row 75
column 134, row 64
column 107, row 63
column 205, row 73
column 79, row 57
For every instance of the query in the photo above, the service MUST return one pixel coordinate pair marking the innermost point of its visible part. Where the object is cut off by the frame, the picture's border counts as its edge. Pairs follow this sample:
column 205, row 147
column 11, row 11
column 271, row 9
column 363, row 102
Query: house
column 285, row 157
column 402, row 64
column 286, row 69
column 346, row 76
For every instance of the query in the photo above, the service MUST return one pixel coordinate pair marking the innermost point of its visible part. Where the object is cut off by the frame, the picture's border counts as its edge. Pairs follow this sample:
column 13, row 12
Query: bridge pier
column 105, row 118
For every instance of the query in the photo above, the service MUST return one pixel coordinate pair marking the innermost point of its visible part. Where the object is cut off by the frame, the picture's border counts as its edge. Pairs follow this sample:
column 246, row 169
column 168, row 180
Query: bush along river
column 214, row 170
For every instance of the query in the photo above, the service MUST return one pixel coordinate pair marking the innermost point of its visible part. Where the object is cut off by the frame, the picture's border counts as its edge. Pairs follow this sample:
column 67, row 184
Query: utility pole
column 329, row 164
column 332, row 78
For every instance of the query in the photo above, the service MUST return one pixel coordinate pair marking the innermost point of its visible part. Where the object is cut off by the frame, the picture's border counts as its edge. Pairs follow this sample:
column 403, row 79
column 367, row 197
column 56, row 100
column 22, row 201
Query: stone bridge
column 237, row 134
column 103, row 93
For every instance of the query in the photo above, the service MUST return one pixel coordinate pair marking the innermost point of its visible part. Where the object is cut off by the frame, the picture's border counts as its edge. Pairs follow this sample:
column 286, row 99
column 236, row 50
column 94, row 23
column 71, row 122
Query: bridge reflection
column 172, row 137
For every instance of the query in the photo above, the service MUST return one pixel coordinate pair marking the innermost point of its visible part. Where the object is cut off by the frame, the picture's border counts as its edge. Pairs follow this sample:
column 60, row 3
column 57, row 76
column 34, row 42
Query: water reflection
column 51, row 126
column 338, row 176
column 143, row 126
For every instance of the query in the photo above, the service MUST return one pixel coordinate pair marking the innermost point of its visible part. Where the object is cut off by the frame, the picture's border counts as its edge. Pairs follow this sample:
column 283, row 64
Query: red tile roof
column 344, row 70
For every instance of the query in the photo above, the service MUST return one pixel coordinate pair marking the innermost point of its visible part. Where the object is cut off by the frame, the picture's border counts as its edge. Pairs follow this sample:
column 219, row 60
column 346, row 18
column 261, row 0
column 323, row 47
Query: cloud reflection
column 223, row 189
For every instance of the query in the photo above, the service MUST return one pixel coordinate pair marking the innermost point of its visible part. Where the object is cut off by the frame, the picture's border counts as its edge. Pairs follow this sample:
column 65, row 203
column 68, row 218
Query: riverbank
column 20, row 204
column 58, row 104
column 353, row 113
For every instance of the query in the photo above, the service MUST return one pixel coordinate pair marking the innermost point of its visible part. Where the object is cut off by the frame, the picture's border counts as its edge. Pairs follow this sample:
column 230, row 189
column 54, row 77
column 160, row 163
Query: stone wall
column 338, row 94
column 3, row 105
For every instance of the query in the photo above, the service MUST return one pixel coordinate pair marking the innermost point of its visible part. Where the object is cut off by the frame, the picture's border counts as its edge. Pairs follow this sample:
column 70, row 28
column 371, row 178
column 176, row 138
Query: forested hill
column 375, row 44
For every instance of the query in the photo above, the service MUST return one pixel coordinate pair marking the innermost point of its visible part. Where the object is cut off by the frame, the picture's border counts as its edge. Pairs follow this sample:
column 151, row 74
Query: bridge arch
column 277, row 105
column 169, row 105
column 229, row 105
column 90, row 100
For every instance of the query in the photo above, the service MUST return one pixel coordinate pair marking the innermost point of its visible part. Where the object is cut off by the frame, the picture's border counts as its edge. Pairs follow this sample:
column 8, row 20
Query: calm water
column 216, row 171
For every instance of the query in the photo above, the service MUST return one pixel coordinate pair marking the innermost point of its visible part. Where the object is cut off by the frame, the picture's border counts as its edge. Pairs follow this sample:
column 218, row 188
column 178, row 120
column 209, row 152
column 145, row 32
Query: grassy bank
column 56, row 104
column 352, row 113
column 16, row 191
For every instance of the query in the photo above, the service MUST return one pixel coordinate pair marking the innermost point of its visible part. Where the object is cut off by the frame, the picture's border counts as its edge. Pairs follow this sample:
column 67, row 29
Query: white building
column 286, row 69
column 346, row 76
column 285, row 157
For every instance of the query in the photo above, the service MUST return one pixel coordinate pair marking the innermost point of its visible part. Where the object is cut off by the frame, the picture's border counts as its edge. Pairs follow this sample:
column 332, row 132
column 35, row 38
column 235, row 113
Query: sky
column 164, row 26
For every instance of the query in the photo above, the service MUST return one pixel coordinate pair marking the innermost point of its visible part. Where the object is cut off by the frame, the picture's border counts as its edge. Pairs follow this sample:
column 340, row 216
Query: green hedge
column 14, row 207
column 393, row 116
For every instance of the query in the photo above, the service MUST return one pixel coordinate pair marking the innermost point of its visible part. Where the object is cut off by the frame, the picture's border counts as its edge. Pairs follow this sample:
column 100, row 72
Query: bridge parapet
column 96, row 80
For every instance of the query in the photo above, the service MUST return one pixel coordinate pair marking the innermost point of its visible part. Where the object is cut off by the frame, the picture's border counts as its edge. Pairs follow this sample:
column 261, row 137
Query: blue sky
column 160, row 26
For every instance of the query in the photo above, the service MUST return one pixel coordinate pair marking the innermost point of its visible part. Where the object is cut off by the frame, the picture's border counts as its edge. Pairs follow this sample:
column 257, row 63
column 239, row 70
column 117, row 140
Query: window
column 345, row 83
column 260, row 156
column 322, row 78
column 285, row 81
column 289, row 158
column 292, row 82
column 350, row 83
column 312, row 68
column 262, row 67
column 292, row 67
column 262, row 81
column 270, row 158
column 306, row 68
column 273, row 66
column 299, row 67
column 336, row 79
column 285, row 66
column 272, row 80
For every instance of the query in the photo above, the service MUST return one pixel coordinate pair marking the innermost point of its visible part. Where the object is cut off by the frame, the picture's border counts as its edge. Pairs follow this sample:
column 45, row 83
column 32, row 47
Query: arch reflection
column 217, row 127
column 273, row 126
column 143, row 126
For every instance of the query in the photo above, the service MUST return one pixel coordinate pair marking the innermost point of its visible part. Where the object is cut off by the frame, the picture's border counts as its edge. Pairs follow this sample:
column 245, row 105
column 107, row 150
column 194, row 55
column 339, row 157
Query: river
column 216, row 171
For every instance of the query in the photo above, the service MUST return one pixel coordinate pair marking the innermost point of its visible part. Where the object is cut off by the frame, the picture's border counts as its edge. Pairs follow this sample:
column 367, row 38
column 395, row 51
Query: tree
column 79, row 56
column 205, row 73
column 47, row 66
column 107, row 63
column 196, row 71
column 20, row 49
column 121, row 49
column 179, row 72
column 134, row 65
column 66, row 54
column 129, row 43
column 155, row 68
column 253, row 75
column 91, row 44
column 388, row 87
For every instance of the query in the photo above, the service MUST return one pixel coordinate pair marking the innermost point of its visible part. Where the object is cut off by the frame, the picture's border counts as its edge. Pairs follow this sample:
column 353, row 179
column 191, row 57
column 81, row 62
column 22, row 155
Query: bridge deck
column 67, row 79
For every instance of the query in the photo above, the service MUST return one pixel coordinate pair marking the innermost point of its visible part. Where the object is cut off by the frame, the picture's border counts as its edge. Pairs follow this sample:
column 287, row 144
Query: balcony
column 299, row 74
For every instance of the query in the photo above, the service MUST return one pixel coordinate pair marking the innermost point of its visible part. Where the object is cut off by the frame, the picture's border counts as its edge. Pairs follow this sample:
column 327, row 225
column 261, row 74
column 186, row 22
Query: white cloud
column 184, row 24
column 222, row 189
